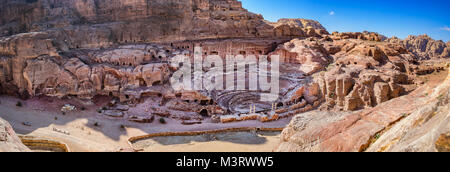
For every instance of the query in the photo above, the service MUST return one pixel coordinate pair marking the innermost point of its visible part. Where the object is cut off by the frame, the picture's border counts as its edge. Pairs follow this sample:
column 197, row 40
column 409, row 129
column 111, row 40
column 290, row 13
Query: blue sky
column 389, row 17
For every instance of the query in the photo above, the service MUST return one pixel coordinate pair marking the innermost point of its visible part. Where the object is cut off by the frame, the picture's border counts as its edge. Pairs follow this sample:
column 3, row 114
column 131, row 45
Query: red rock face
column 60, row 76
column 122, row 49
column 61, row 28
column 410, row 123
column 364, row 74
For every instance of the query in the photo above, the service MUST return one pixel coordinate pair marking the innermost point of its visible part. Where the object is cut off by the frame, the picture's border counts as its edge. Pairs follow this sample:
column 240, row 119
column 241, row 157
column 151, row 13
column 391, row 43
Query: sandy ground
column 80, row 133
column 223, row 142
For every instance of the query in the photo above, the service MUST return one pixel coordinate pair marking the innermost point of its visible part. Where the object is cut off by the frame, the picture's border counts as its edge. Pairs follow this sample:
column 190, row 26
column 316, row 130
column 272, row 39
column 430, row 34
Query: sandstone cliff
column 352, row 73
column 76, row 40
column 299, row 28
column 417, row 122
column 425, row 47
column 121, row 48
column 9, row 141
column 120, row 21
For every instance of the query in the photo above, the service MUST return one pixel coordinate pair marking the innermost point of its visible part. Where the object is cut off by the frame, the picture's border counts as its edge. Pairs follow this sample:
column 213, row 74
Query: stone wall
column 44, row 144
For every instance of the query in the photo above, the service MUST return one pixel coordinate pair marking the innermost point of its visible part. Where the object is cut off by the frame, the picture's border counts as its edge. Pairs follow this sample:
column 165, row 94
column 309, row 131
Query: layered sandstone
column 299, row 28
column 364, row 74
column 58, row 30
column 311, row 55
column 367, row 36
column 117, row 72
column 417, row 122
column 121, row 21
column 122, row 49
column 425, row 47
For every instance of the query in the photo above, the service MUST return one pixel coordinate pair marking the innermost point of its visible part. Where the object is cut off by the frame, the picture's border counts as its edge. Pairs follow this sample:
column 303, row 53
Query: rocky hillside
column 417, row 122
column 131, row 20
column 45, row 34
column 353, row 71
column 425, row 47
column 9, row 142
column 101, row 22
column 362, row 82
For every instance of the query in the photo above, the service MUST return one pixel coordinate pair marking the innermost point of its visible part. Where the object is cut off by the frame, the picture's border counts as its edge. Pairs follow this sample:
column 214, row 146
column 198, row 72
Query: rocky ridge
column 56, row 31
column 417, row 122
column 122, row 49
column 425, row 47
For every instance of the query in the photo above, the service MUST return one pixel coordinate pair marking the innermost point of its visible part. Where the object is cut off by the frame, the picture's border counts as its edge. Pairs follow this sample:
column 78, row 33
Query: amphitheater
column 114, row 62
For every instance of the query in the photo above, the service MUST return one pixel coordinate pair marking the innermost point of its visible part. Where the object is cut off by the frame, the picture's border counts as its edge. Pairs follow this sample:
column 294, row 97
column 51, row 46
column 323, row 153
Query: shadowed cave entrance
column 204, row 113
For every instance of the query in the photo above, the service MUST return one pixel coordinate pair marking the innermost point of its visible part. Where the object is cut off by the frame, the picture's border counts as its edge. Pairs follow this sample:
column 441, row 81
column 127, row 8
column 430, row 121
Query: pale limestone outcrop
column 9, row 141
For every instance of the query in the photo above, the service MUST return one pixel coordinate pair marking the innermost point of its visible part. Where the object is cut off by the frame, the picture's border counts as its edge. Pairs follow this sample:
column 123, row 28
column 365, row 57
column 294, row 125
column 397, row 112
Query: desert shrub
column 162, row 120
column 377, row 136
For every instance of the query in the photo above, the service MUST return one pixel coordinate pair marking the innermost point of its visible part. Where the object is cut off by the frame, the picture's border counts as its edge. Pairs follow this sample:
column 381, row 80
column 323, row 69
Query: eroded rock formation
column 417, row 122
column 312, row 56
column 122, row 49
column 367, row 36
column 9, row 141
column 425, row 47
column 142, row 21
column 365, row 74
column 59, row 29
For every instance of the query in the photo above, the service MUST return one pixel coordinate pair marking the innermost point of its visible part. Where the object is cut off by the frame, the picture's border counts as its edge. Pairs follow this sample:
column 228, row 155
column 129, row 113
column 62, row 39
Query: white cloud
column 446, row 28
column 332, row 13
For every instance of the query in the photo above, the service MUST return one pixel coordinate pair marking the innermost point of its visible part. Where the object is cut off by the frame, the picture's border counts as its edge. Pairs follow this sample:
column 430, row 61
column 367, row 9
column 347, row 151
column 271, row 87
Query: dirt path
column 78, row 130
column 221, row 142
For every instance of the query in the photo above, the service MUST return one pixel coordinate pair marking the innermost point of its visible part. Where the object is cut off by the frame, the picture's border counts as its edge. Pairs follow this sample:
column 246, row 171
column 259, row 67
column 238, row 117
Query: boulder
column 9, row 141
